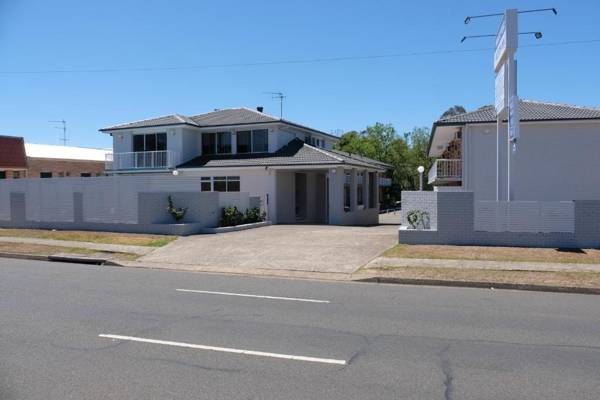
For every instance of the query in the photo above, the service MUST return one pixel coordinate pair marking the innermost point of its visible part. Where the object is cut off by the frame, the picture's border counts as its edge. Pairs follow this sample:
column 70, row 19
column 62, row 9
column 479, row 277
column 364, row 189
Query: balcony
column 135, row 160
column 445, row 172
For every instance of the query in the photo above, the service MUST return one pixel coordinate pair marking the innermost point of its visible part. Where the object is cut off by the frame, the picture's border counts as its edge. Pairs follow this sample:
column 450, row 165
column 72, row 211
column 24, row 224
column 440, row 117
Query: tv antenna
column 279, row 96
column 64, row 138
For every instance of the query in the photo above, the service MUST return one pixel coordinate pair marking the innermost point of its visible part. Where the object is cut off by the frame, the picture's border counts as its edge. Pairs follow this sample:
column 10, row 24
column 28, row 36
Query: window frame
column 226, row 181
column 360, row 189
column 218, row 144
column 145, row 144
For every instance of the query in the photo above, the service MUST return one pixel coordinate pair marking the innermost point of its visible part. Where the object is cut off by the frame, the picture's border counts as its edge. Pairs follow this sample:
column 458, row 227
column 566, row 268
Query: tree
column 452, row 111
column 404, row 153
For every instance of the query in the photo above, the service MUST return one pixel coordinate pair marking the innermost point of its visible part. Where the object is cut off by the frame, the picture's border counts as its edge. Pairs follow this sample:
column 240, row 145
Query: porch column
column 336, row 195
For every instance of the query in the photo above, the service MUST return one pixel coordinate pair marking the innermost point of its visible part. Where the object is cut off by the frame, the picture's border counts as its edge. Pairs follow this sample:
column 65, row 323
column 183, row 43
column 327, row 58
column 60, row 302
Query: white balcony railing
column 445, row 170
column 163, row 159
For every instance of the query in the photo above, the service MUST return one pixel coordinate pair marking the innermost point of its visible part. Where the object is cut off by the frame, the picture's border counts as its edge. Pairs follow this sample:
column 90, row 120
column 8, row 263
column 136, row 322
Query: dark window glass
column 205, row 184
column 85, row 175
column 2, row 174
column 220, row 184
column 150, row 142
column 243, row 142
column 347, row 183
column 208, row 143
column 260, row 141
column 161, row 141
column 359, row 189
column 224, row 142
column 45, row 174
column 372, row 188
column 138, row 142
column 233, row 183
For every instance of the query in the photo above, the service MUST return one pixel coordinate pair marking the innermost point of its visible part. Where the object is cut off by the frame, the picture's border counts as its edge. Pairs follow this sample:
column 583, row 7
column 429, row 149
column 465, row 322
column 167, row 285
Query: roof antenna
column 64, row 138
column 280, row 96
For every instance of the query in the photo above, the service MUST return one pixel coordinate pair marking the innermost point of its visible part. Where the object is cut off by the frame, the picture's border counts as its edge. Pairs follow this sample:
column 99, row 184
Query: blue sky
column 406, row 91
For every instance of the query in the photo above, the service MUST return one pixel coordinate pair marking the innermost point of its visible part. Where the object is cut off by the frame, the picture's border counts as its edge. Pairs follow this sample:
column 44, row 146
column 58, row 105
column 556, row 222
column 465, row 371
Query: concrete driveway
column 310, row 248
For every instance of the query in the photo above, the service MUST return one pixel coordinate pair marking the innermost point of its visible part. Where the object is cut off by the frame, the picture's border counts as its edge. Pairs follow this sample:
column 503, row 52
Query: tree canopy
column 403, row 152
column 452, row 111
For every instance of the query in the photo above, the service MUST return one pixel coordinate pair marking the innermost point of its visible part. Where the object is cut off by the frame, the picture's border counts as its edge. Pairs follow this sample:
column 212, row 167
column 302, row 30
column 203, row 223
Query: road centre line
column 226, row 349
column 254, row 296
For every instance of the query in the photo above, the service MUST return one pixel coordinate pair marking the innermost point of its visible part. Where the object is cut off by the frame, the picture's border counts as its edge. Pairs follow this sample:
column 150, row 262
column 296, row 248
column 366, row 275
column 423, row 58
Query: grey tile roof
column 528, row 111
column 295, row 153
column 224, row 117
column 232, row 116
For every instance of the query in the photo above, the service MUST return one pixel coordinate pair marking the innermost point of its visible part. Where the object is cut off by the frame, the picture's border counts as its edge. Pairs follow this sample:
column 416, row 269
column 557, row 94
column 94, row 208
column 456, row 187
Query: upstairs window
column 150, row 142
column 256, row 141
column 216, row 143
column 244, row 142
column 209, row 144
column 260, row 141
column 224, row 142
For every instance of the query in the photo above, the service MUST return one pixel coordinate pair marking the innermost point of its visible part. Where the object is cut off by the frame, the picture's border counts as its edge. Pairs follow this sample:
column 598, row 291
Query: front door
column 300, row 197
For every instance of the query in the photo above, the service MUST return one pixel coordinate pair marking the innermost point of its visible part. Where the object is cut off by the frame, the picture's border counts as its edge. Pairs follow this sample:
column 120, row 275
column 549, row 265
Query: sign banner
column 506, row 38
column 501, row 100
column 513, row 119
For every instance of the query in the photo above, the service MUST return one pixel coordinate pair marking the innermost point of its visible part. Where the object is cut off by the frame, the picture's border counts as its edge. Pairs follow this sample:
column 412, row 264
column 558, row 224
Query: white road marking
column 253, row 295
column 226, row 349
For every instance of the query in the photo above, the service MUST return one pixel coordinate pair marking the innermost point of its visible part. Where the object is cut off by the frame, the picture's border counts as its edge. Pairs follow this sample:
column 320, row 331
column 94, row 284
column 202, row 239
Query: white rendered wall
column 553, row 162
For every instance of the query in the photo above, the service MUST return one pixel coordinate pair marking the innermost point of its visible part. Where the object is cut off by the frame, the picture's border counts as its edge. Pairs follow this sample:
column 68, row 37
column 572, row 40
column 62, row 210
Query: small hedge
column 231, row 216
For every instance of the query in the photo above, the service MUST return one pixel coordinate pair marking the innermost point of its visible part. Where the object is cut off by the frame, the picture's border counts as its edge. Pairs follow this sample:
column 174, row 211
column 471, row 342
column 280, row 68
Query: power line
column 287, row 62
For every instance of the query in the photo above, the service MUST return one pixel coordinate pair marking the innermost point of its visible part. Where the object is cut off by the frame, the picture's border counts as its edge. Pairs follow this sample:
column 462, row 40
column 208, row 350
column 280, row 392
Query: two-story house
column 294, row 168
column 543, row 191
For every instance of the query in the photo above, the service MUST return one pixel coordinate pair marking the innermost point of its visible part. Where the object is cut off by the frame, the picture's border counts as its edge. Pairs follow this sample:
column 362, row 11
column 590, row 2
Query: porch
column 336, row 196
column 445, row 172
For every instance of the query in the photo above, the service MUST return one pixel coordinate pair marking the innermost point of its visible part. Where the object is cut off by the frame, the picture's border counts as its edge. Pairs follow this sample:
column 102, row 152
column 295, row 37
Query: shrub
column 231, row 216
column 418, row 219
column 254, row 215
column 176, row 212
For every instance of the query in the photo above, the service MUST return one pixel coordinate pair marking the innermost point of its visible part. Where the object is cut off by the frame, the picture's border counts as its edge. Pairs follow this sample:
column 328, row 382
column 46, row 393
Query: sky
column 101, row 63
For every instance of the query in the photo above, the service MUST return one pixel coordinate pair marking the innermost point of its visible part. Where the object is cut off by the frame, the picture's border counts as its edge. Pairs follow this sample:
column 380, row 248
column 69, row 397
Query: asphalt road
column 370, row 341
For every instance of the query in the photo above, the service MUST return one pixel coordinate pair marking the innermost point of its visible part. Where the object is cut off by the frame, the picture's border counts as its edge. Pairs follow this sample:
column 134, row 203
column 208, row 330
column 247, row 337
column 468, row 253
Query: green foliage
column 418, row 219
column 176, row 212
column 231, row 216
column 254, row 215
column 404, row 153
column 452, row 111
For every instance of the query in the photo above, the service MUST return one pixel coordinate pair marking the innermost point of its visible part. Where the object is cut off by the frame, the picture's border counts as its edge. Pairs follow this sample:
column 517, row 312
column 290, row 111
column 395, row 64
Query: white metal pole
column 420, row 181
column 509, row 71
column 498, row 123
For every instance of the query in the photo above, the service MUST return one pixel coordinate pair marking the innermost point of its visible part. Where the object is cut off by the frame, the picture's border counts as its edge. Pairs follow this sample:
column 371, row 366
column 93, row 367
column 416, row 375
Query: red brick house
column 13, row 160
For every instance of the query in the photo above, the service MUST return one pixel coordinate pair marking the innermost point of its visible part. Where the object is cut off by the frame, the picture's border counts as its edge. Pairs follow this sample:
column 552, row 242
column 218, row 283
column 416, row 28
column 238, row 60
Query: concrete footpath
column 382, row 262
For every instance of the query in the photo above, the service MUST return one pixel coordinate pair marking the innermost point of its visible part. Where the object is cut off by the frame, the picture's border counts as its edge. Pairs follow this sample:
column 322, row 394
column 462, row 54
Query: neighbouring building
column 20, row 160
column 13, row 161
column 554, row 193
column 51, row 161
column 294, row 168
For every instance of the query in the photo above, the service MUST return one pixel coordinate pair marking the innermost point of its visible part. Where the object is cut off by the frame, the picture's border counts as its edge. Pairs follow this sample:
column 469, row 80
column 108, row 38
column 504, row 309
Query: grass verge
column 92, row 236
column 546, row 278
column 488, row 253
column 44, row 250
